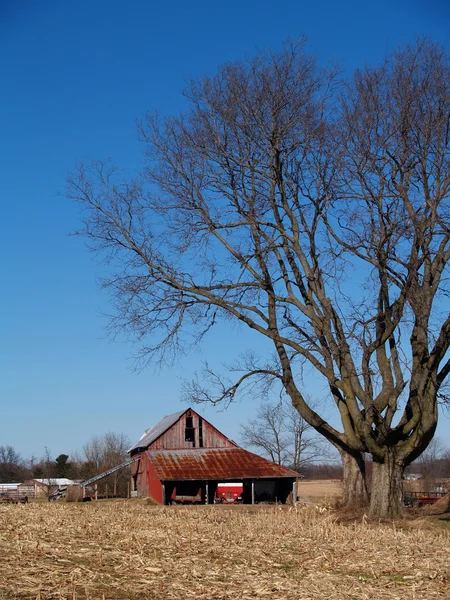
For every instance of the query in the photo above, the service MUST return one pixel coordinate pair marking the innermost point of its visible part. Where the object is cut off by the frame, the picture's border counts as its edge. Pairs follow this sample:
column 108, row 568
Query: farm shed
column 43, row 488
column 183, row 458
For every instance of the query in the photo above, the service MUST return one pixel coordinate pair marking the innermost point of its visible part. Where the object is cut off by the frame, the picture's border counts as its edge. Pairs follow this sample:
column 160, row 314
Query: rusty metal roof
column 214, row 463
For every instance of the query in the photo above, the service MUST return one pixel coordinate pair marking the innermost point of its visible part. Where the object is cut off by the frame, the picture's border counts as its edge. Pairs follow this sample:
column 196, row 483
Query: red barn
column 183, row 458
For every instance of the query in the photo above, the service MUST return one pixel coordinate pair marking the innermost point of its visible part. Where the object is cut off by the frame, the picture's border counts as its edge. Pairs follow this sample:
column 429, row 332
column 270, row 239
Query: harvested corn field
column 326, row 490
column 129, row 550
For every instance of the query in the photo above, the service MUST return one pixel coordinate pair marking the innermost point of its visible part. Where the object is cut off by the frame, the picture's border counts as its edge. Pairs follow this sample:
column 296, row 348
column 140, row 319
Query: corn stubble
column 129, row 551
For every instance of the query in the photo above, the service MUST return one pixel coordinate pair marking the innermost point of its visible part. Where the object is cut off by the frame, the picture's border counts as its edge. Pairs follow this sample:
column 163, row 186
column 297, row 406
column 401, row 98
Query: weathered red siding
column 148, row 483
column 174, row 438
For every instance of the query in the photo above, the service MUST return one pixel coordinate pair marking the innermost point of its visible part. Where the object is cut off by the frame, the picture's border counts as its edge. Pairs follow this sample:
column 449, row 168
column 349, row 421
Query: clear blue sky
column 74, row 77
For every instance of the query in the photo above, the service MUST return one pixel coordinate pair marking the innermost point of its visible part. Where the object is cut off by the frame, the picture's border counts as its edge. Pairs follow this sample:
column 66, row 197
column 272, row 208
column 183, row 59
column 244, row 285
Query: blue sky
column 75, row 76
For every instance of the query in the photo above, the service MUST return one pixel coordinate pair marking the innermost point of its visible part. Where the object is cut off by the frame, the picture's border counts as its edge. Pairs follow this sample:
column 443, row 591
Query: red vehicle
column 229, row 493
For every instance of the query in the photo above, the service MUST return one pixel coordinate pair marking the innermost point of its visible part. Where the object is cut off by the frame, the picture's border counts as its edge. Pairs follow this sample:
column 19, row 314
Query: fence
column 16, row 492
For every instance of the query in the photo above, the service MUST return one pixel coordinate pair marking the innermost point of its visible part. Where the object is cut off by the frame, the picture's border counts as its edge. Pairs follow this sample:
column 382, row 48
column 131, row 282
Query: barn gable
column 153, row 433
column 181, row 431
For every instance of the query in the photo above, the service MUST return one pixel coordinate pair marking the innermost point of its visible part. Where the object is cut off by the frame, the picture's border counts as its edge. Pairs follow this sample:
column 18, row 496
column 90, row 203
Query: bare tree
column 12, row 468
column 434, row 452
column 104, row 452
column 305, row 447
column 281, row 434
column 321, row 225
column 445, row 468
column 267, row 433
column 430, row 465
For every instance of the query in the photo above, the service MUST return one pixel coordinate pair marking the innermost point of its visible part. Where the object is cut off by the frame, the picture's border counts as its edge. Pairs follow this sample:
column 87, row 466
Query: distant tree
column 48, row 465
column 12, row 468
column 323, row 471
column 430, row 456
column 446, row 464
column 37, row 472
column 104, row 452
column 267, row 433
column 63, row 468
column 280, row 433
column 431, row 465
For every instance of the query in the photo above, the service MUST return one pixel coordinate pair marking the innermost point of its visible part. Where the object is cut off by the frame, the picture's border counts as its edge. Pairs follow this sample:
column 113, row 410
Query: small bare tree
column 105, row 452
column 12, row 468
column 280, row 433
column 267, row 433
column 429, row 465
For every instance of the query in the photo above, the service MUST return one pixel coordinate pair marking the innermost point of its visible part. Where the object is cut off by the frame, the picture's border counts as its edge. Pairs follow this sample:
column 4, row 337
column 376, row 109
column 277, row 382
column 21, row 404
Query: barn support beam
column 253, row 491
column 206, row 493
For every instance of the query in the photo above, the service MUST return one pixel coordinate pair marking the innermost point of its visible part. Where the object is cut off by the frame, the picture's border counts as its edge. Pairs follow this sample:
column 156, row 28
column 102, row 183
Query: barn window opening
column 200, row 432
column 189, row 432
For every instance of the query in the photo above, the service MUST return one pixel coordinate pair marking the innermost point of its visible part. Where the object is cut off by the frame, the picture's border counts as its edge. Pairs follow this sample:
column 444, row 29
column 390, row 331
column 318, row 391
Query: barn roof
column 153, row 433
column 214, row 463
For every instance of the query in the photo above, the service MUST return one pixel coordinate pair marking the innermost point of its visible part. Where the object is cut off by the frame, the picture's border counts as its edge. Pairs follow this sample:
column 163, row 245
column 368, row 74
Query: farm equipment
column 229, row 493
column 418, row 499
column 57, row 494
column 197, row 499
column 10, row 500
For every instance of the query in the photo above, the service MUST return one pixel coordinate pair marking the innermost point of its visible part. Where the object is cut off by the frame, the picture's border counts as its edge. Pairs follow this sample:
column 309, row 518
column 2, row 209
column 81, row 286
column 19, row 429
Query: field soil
column 128, row 550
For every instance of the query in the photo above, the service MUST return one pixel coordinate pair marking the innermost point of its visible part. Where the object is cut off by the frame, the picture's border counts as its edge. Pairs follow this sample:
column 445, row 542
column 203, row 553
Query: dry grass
column 130, row 551
column 327, row 490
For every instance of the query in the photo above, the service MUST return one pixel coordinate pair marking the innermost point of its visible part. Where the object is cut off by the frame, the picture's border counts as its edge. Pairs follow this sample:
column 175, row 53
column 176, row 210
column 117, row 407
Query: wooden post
column 294, row 492
column 96, row 492
column 253, row 491
column 206, row 493
column 84, row 491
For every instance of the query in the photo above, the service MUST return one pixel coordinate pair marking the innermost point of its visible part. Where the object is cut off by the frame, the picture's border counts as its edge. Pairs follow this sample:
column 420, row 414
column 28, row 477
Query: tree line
column 99, row 454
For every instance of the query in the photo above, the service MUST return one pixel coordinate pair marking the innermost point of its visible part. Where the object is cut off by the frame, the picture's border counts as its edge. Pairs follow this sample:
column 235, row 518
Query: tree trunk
column 386, row 498
column 354, row 482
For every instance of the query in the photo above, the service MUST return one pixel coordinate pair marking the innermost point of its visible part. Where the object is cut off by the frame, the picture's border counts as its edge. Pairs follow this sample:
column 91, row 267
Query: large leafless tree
column 314, row 213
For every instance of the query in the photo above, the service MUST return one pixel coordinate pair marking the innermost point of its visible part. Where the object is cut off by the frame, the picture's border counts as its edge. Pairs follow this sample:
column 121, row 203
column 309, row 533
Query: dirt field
column 128, row 551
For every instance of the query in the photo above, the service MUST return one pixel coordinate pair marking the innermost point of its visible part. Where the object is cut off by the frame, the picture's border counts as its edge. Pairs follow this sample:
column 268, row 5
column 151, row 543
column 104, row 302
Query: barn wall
column 140, row 469
column 155, row 486
column 174, row 438
column 148, row 484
